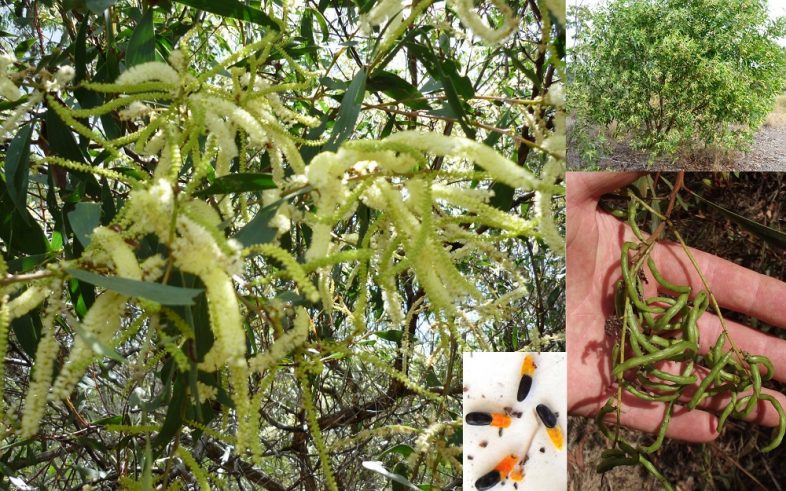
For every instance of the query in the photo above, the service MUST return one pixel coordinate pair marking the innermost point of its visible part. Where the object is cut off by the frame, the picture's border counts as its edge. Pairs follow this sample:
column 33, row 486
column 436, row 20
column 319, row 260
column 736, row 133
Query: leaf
column 163, row 294
column 233, row 9
column 142, row 45
column 774, row 237
column 527, row 71
column 257, row 231
column 402, row 449
column 98, row 6
column 98, row 346
column 173, row 420
column 83, row 220
column 28, row 331
column 239, row 183
column 349, row 111
column 393, row 335
column 455, row 85
column 376, row 466
column 109, row 420
column 17, row 168
column 26, row 263
column 397, row 88
column 24, row 47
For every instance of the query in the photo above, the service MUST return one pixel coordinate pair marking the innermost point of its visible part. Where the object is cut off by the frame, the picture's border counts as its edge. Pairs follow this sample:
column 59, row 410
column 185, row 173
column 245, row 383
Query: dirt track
column 768, row 152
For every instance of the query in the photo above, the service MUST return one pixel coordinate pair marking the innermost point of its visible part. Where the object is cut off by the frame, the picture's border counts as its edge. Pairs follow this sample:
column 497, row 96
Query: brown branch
column 214, row 452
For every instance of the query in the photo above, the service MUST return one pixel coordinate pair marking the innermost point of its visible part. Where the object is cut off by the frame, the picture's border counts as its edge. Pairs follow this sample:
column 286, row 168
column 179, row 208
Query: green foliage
column 246, row 244
column 673, row 74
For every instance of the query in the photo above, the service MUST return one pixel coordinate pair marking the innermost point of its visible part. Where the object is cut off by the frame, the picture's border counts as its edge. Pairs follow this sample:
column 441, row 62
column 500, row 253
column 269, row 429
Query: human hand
column 594, row 242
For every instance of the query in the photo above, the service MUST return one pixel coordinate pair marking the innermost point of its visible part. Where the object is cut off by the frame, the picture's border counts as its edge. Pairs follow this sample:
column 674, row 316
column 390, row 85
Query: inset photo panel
column 676, row 85
column 676, row 325
column 515, row 421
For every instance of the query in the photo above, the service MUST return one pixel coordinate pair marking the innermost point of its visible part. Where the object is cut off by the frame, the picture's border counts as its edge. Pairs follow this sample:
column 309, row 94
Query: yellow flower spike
column 27, row 301
column 284, row 344
column 225, row 321
column 295, row 270
column 468, row 17
column 46, row 354
column 122, row 255
column 5, row 322
column 102, row 321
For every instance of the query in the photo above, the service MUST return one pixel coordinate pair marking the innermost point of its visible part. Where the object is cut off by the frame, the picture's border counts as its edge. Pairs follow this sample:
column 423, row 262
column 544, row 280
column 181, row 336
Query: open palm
column 594, row 244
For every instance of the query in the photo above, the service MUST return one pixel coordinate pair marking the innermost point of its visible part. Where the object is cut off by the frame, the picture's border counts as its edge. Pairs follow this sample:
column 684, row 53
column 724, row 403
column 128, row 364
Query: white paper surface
column 491, row 381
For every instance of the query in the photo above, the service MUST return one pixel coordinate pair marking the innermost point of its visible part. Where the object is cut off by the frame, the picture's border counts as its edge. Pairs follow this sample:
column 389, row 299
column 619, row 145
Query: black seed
column 488, row 481
column 524, row 386
column 544, row 413
column 542, row 450
column 483, row 444
column 478, row 419
column 469, row 457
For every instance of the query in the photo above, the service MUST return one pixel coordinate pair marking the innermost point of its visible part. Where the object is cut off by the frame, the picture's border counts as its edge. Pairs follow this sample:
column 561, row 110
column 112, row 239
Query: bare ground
column 768, row 152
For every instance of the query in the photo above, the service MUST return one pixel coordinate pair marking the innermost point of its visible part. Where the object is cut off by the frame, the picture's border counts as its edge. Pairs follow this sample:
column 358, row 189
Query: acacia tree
column 674, row 74
column 245, row 246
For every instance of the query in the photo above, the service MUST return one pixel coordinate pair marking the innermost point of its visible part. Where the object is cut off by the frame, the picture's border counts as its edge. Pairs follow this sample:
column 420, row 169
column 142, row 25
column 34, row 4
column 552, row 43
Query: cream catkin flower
column 285, row 343
column 102, row 321
column 465, row 11
column 135, row 110
column 388, row 13
column 146, row 72
column 8, row 89
column 46, row 354
column 9, row 125
column 225, row 140
column 6, row 60
column 64, row 75
column 500, row 168
column 5, row 324
column 27, row 301
column 121, row 253
column 196, row 252
column 548, row 230
column 206, row 392
column 556, row 95
column 153, row 267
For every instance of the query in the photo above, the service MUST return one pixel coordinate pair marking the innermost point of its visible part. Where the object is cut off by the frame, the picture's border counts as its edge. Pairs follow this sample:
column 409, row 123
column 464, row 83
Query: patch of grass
column 777, row 118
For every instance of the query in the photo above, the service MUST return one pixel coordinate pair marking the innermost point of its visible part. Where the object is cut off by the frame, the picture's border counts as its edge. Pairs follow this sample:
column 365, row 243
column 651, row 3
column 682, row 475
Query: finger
column 695, row 426
column 583, row 186
column 735, row 287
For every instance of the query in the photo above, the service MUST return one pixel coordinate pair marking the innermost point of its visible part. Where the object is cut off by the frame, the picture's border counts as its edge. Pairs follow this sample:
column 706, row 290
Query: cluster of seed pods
column 512, row 466
column 652, row 330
